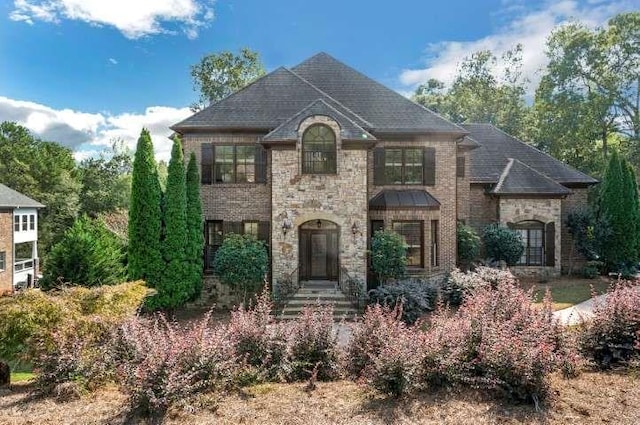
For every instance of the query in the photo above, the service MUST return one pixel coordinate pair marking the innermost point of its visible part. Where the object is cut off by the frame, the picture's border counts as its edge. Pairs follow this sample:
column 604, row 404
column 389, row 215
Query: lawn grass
column 22, row 376
column 568, row 291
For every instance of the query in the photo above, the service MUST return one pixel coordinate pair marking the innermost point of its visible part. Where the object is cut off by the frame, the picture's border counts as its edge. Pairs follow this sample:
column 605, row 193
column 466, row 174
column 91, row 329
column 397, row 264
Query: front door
column 319, row 253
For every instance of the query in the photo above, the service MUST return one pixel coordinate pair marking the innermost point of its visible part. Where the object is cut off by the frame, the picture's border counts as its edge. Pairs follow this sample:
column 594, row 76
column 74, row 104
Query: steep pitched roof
column 271, row 100
column 387, row 110
column 520, row 179
column 9, row 198
column 263, row 104
column 489, row 160
column 288, row 130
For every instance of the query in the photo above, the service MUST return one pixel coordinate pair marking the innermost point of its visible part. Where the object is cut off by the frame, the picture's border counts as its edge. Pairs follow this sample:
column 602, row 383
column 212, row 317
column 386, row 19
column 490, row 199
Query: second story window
column 319, row 150
column 233, row 164
column 404, row 166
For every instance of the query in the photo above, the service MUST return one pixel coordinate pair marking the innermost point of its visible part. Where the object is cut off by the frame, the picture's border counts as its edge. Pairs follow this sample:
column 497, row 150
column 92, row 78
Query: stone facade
column 6, row 246
column 545, row 210
column 572, row 261
column 340, row 198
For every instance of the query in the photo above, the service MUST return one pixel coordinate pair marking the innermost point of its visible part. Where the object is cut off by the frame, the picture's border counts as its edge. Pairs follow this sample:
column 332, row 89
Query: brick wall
column 483, row 209
column 463, row 189
column 6, row 245
column 572, row 261
column 444, row 191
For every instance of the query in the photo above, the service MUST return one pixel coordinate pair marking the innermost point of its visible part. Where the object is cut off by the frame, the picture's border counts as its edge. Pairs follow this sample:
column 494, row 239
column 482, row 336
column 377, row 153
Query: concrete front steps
column 319, row 293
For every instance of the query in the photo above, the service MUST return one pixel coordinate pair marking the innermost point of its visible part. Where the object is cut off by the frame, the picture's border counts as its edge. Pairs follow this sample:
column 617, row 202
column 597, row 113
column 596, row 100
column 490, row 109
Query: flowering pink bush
column 613, row 334
column 258, row 340
column 497, row 340
column 313, row 344
column 162, row 363
column 383, row 351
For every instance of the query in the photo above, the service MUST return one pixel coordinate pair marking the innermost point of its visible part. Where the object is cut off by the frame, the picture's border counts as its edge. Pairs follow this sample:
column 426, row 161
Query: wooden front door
column 319, row 254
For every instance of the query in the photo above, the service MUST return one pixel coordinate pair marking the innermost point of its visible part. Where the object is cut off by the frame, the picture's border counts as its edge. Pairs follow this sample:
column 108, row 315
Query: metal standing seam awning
column 403, row 199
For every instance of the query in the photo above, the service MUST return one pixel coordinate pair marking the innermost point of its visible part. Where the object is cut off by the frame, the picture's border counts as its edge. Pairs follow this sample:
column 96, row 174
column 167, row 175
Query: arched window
column 318, row 150
column 532, row 233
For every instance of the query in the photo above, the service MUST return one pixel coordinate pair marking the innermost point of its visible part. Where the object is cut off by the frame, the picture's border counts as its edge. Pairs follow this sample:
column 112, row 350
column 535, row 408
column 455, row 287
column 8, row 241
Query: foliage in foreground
column 388, row 255
column 87, row 255
column 612, row 336
column 31, row 320
column 458, row 285
column 468, row 245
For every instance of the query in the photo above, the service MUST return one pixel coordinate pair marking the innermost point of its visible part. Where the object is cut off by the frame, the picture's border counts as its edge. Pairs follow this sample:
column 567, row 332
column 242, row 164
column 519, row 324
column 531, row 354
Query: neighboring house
column 18, row 239
column 316, row 158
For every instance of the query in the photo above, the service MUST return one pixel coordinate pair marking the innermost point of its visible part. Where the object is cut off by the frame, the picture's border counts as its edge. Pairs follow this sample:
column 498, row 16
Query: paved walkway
column 584, row 310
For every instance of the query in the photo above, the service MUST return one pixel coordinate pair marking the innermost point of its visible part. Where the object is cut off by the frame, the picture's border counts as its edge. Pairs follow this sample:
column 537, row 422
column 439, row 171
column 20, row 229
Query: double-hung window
column 233, row 164
column 532, row 233
column 403, row 166
column 412, row 232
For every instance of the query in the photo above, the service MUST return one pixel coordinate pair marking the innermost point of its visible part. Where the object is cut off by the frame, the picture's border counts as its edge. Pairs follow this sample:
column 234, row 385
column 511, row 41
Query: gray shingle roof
column 387, row 110
column 489, row 161
column 271, row 100
column 288, row 130
column 520, row 179
column 9, row 198
column 400, row 199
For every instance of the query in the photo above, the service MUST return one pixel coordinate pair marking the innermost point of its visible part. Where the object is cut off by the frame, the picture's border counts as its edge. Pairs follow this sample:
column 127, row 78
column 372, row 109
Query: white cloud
column 86, row 133
column 134, row 18
column 529, row 27
column 113, row 61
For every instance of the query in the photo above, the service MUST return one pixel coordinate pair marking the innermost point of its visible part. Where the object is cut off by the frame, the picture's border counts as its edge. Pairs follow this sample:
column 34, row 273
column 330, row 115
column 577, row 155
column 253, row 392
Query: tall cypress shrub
column 615, row 207
column 195, row 237
column 175, row 286
column 145, row 225
column 634, row 209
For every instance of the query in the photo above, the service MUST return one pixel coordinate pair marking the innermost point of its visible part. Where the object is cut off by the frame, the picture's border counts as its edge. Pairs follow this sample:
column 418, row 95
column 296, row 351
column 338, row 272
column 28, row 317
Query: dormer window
column 319, row 150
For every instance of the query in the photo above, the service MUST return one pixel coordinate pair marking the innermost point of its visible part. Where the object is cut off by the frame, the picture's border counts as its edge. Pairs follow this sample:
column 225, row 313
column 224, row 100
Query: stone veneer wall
column 444, row 191
column 340, row 198
column 228, row 202
column 572, row 261
column 513, row 210
column 6, row 245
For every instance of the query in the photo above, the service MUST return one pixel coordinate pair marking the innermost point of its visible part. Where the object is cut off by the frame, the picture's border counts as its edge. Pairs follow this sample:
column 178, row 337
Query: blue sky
column 85, row 72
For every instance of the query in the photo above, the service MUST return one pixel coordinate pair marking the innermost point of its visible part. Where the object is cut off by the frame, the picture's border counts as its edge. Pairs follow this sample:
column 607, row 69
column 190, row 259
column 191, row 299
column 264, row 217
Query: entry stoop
column 319, row 293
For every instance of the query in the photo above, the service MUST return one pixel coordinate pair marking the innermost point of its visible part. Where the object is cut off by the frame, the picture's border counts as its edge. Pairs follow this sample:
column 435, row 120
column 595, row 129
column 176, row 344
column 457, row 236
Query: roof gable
column 288, row 130
column 10, row 198
column 519, row 179
column 489, row 160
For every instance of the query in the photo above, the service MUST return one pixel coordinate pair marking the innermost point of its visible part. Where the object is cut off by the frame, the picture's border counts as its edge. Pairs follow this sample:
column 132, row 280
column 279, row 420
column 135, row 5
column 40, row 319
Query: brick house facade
column 314, row 159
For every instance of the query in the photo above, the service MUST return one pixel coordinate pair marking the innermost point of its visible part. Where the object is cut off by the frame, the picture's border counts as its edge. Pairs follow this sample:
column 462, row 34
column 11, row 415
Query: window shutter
column 550, row 244
column 378, row 166
column 206, row 163
column 460, row 163
column 429, row 167
column 261, row 164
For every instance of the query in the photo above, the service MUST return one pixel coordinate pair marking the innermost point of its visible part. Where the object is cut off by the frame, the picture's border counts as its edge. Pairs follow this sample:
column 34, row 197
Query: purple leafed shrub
column 384, row 352
column 313, row 344
column 258, row 340
column 162, row 363
column 613, row 334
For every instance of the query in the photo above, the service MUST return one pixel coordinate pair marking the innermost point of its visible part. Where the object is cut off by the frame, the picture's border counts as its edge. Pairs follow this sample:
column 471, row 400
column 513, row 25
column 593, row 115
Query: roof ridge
column 384, row 87
column 503, row 175
column 328, row 95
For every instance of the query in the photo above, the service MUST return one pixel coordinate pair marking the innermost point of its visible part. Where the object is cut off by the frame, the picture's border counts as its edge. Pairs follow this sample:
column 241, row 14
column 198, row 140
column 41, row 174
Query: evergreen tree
column 616, row 205
column 175, row 286
column 145, row 225
column 195, row 237
column 634, row 209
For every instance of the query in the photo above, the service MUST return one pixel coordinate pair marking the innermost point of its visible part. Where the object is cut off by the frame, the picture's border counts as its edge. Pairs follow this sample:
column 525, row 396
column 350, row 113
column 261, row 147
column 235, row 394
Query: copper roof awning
column 403, row 199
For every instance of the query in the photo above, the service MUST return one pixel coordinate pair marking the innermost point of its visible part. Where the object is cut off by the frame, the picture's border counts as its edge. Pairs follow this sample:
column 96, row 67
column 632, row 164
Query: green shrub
column 416, row 297
column 388, row 255
column 458, row 285
column 29, row 319
column 242, row 263
column 502, row 244
column 468, row 244
column 88, row 254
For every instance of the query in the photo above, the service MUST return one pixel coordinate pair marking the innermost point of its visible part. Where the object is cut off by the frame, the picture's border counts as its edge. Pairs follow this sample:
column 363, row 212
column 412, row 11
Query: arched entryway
column 319, row 242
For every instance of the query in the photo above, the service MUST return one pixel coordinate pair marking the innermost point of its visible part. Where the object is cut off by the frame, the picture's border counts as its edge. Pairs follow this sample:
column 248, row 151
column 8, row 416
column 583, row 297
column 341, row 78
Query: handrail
column 352, row 288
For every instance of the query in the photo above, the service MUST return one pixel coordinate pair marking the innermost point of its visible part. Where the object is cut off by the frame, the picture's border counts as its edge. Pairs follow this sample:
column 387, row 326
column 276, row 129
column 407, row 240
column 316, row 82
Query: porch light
column 355, row 230
column 286, row 225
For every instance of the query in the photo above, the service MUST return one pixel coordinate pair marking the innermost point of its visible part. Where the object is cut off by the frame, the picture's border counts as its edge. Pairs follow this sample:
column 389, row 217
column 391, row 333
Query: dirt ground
column 592, row 398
